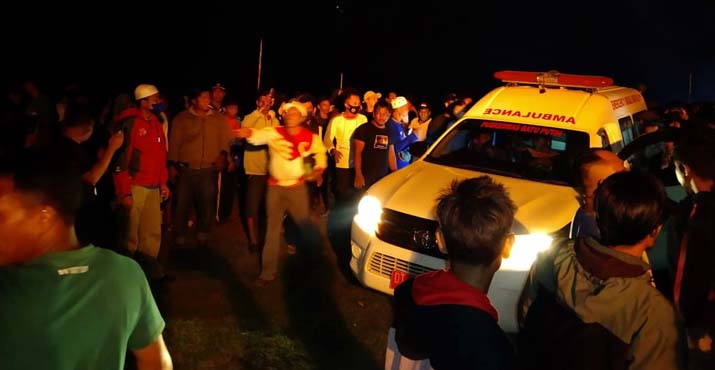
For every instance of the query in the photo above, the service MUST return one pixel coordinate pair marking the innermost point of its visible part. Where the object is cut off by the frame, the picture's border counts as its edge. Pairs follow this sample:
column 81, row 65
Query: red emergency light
column 553, row 78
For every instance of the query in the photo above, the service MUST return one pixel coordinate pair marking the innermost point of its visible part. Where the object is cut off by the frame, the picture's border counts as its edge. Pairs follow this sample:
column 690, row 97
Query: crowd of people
column 78, row 185
column 134, row 177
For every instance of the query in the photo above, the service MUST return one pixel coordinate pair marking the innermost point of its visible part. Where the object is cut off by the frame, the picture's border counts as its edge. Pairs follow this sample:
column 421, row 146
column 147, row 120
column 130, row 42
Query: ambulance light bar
column 553, row 78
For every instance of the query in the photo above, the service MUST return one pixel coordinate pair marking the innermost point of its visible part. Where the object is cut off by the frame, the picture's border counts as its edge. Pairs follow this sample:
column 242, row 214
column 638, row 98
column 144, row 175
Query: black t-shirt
column 322, row 123
column 76, row 154
column 376, row 154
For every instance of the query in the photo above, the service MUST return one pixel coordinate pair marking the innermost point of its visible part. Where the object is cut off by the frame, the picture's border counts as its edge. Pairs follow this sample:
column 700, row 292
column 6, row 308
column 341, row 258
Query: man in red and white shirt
column 287, row 192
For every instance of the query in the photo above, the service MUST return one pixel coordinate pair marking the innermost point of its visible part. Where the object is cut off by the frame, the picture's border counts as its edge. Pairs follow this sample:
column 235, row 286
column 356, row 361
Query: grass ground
column 312, row 317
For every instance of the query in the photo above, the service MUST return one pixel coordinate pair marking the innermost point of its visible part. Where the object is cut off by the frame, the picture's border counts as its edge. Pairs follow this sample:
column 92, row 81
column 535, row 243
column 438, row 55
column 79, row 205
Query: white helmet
column 143, row 91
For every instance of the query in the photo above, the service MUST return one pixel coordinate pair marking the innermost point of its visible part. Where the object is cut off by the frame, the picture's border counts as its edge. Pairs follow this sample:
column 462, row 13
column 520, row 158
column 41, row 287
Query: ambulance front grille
column 383, row 264
column 409, row 232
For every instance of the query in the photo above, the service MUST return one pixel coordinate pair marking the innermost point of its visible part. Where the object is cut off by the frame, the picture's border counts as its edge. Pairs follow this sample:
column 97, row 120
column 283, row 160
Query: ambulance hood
column 542, row 207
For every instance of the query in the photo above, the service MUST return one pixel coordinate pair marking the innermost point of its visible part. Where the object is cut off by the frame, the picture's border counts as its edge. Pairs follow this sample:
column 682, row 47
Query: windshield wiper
column 555, row 182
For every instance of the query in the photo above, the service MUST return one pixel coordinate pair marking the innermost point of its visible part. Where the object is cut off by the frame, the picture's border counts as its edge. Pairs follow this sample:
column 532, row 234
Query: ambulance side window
column 627, row 129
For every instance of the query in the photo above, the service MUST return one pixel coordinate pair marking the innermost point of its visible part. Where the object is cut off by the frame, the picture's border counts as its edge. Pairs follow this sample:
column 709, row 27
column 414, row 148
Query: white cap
column 370, row 93
column 296, row 105
column 399, row 102
column 143, row 91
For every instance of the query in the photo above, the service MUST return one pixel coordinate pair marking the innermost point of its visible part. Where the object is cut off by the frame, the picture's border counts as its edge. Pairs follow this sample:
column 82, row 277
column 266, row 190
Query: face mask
column 157, row 108
column 353, row 108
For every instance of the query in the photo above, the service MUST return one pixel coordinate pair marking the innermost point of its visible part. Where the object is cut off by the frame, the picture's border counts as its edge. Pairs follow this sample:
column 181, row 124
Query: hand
column 127, row 202
column 232, row 166
column 165, row 192
column 282, row 147
column 337, row 154
column 359, row 181
column 116, row 141
column 243, row 132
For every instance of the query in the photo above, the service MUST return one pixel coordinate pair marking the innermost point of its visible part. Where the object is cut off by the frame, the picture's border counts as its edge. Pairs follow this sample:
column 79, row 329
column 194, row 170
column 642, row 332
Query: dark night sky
column 419, row 48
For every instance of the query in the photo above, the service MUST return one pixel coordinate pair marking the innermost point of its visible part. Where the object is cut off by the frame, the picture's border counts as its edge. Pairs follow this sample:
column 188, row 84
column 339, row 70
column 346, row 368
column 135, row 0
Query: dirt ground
column 314, row 316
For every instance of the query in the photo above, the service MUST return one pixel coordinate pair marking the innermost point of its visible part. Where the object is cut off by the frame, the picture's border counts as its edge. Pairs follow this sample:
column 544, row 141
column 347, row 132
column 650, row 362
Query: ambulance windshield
column 511, row 149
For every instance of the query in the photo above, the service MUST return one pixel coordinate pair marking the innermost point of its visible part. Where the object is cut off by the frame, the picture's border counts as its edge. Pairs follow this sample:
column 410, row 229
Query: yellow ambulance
column 523, row 134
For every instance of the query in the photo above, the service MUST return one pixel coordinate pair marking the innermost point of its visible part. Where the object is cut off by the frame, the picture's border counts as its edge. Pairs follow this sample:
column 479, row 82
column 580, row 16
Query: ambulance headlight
column 369, row 214
column 524, row 252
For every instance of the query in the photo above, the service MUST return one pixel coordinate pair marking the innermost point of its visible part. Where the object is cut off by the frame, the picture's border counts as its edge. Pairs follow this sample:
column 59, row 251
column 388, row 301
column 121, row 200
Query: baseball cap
column 371, row 93
column 423, row 105
column 218, row 86
column 399, row 102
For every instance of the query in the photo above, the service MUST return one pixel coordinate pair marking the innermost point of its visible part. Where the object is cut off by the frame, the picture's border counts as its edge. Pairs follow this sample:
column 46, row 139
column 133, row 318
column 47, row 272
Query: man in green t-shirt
column 62, row 305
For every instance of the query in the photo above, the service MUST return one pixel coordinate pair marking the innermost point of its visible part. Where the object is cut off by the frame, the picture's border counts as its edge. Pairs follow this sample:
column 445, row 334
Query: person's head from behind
column 456, row 109
column 695, row 160
column 78, row 124
column 39, row 197
column 630, row 208
column 590, row 168
column 475, row 218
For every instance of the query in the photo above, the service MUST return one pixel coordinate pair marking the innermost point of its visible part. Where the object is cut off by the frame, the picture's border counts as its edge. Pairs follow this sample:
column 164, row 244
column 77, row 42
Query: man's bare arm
column 154, row 356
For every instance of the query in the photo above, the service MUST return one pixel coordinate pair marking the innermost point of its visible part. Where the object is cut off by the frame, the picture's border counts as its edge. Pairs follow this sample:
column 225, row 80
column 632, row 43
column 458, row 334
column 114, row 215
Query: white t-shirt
column 341, row 130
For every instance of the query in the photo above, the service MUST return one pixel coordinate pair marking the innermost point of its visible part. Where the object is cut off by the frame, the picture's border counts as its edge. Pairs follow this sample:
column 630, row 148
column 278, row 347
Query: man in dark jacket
column 445, row 316
column 591, row 304
column 198, row 135
column 694, row 285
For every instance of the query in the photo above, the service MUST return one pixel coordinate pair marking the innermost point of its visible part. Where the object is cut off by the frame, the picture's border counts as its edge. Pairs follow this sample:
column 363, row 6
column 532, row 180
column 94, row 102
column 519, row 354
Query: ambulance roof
column 580, row 109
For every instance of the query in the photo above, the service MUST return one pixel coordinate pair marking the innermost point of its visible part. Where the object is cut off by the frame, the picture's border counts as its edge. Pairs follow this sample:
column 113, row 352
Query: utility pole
column 260, row 61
